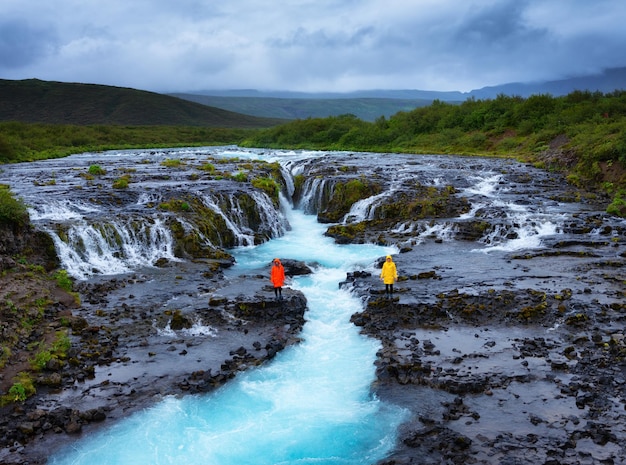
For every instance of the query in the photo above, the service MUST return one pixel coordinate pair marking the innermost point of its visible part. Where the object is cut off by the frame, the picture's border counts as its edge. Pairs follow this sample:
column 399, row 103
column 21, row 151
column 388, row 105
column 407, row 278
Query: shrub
column 240, row 177
column 96, row 170
column 11, row 210
column 121, row 183
column 63, row 280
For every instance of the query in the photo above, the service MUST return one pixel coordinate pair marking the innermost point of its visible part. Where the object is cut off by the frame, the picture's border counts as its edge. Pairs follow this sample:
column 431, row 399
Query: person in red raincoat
column 277, row 277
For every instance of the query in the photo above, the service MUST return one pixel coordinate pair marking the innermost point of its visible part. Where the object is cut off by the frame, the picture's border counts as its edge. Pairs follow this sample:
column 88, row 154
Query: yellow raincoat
column 389, row 274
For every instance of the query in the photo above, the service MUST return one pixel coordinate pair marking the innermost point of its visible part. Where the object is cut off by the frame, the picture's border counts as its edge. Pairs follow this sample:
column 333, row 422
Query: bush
column 121, row 183
column 96, row 170
column 12, row 210
column 63, row 280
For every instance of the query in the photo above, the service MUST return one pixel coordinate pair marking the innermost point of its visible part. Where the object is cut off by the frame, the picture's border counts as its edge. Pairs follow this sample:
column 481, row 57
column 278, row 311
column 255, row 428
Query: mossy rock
column 180, row 321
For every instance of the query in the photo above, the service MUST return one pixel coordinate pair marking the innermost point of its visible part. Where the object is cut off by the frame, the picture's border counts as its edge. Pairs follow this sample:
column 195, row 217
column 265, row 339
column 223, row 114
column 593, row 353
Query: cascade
column 312, row 194
column 312, row 404
column 112, row 247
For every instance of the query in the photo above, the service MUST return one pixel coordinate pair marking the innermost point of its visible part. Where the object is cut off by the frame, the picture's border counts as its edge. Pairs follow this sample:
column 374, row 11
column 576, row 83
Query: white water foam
column 112, row 248
column 312, row 404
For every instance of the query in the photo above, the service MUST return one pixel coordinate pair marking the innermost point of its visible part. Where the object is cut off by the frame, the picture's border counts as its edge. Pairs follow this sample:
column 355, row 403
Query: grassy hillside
column 35, row 101
column 367, row 109
column 582, row 133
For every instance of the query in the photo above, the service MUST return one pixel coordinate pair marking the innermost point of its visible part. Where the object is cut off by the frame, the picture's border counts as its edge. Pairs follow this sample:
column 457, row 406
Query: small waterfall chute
column 112, row 247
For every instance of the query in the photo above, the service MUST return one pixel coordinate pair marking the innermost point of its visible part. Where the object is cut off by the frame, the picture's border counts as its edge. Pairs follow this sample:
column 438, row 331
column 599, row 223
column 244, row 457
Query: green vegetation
column 122, row 182
column 96, row 170
column 175, row 205
column 22, row 388
column 269, row 186
column 173, row 163
column 240, row 176
column 63, row 280
column 57, row 351
column 208, row 167
column 12, row 210
column 345, row 194
column 35, row 141
column 583, row 134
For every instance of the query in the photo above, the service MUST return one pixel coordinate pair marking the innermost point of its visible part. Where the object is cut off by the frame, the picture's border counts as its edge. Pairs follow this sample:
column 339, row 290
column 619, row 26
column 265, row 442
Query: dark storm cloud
column 310, row 45
column 323, row 38
column 496, row 24
column 22, row 44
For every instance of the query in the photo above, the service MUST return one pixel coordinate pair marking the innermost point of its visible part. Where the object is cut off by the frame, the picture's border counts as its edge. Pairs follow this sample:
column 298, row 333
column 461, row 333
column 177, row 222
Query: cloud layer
column 306, row 45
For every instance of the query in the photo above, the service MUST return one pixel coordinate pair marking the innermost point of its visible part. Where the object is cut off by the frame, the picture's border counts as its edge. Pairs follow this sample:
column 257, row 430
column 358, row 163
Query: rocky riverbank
column 119, row 362
column 499, row 354
column 501, row 374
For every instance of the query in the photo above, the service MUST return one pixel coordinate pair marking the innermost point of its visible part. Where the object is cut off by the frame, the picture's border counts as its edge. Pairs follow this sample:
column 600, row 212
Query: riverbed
column 502, row 342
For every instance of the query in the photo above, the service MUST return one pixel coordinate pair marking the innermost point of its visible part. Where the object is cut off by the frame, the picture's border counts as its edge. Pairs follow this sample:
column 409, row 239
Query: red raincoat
column 278, row 274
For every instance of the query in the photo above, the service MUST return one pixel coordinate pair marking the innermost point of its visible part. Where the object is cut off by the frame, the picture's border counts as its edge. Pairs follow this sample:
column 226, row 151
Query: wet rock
column 180, row 321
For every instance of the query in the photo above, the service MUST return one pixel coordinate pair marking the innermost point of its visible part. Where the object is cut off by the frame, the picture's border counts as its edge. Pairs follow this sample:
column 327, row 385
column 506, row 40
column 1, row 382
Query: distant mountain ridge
column 371, row 104
column 609, row 80
column 367, row 109
column 36, row 101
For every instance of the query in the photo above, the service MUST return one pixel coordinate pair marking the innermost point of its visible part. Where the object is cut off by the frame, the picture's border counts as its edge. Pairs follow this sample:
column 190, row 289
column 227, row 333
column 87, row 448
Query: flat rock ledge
column 125, row 360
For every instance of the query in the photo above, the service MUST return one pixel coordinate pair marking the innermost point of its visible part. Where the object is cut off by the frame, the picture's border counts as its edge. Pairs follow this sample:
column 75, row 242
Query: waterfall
column 364, row 209
column 271, row 221
column 112, row 248
column 312, row 194
column 311, row 404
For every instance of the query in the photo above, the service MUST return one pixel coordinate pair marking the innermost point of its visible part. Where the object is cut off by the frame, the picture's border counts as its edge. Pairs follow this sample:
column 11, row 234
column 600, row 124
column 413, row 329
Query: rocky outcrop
column 23, row 240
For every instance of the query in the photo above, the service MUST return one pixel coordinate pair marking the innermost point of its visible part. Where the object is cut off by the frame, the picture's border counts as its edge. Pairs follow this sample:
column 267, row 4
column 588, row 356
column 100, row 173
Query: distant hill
column 371, row 104
column 367, row 109
column 606, row 82
column 33, row 100
column 36, row 101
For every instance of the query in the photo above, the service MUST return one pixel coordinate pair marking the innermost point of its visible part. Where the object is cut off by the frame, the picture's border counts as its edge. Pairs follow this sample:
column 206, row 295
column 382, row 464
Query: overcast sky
column 309, row 45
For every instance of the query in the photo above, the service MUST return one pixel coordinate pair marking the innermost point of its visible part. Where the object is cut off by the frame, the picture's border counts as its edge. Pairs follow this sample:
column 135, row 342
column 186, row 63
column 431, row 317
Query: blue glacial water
column 311, row 405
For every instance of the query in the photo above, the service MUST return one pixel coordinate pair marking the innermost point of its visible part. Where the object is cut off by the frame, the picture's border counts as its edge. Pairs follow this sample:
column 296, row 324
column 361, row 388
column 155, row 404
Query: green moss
column 269, row 186
column 96, row 170
column 173, row 163
column 346, row 233
column 122, row 182
column 175, row 205
column 344, row 194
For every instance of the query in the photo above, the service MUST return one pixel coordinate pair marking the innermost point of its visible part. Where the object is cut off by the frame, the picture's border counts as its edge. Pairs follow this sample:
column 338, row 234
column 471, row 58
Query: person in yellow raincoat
column 277, row 276
column 389, row 275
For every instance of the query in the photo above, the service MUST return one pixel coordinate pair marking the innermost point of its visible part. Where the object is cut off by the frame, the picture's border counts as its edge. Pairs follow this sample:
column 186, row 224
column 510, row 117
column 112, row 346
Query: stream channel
column 314, row 402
